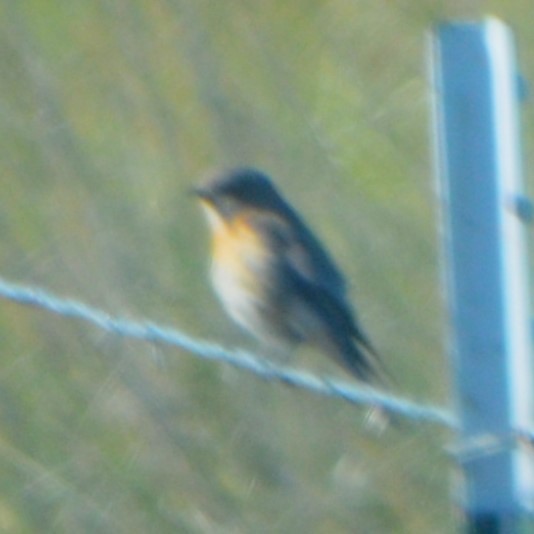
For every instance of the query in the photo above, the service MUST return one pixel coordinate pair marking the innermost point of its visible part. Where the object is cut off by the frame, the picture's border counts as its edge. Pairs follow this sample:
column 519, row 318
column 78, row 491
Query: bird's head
column 228, row 193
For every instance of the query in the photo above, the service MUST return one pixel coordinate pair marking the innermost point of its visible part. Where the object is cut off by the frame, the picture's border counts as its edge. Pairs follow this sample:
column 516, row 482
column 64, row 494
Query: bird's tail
column 362, row 360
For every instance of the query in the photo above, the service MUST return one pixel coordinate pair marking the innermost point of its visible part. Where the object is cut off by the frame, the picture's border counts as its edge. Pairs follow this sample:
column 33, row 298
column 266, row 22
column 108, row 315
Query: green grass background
column 109, row 111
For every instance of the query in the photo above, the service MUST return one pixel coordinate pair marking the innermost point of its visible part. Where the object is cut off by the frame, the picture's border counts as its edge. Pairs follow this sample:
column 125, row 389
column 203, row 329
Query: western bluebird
column 273, row 276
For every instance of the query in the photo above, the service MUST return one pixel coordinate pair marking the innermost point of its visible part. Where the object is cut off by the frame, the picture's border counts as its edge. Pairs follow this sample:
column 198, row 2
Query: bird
column 275, row 278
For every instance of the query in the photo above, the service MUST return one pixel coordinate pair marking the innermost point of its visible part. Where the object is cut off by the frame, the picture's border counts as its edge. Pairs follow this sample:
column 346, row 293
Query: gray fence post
column 477, row 145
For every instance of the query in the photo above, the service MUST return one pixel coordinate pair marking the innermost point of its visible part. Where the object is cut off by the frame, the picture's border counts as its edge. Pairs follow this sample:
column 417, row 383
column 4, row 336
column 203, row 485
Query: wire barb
column 261, row 367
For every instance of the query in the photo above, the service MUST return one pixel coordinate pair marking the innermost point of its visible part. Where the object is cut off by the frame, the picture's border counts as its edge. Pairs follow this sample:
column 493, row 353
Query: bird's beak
column 201, row 193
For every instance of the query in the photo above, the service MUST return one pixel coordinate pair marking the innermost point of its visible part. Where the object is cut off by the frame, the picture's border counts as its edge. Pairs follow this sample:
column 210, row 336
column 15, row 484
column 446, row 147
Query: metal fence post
column 477, row 146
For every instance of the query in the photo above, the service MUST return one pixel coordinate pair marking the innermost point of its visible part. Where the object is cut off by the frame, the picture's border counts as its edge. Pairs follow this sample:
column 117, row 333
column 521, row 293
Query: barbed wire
column 261, row 367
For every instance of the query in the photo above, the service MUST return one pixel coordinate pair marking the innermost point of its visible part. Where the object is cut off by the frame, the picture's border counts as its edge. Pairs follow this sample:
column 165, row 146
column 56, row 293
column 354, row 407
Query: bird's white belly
column 242, row 298
column 240, row 275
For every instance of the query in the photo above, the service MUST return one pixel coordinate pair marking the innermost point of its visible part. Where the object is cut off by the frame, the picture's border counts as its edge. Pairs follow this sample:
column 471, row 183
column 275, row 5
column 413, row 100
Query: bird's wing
column 311, row 269
column 355, row 350
column 337, row 310
column 307, row 267
column 303, row 252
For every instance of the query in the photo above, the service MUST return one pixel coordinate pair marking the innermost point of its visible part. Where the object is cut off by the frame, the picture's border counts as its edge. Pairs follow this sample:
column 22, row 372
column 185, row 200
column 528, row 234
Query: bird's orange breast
column 240, row 272
column 237, row 246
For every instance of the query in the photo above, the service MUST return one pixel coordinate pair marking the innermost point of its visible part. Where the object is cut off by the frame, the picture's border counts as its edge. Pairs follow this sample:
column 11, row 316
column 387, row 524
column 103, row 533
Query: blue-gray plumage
column 274, row 277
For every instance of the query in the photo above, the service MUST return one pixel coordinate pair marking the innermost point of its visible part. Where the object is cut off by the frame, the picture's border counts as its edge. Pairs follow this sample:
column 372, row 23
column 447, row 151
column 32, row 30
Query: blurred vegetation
column 109, row 111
